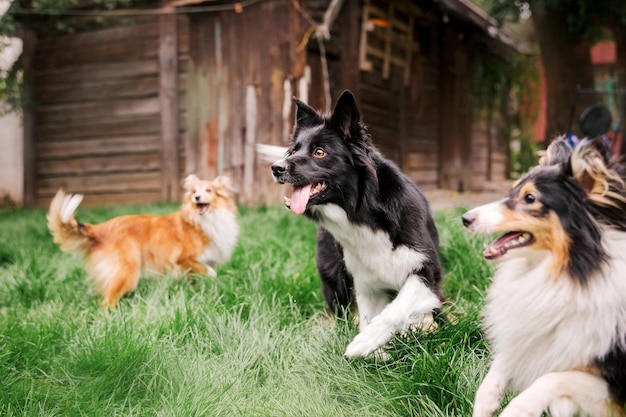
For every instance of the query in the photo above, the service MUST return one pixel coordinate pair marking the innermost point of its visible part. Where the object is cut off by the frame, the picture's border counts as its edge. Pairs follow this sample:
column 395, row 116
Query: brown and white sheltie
column 200, row 236
column 555, row 314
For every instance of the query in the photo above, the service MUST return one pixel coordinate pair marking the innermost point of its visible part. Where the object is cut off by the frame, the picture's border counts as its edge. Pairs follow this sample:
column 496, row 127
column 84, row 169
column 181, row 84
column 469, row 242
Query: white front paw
column 485, row 409
column 486, row 404
column 520, row 408
column 211, row 272
column 360, row 346
column 368, row 341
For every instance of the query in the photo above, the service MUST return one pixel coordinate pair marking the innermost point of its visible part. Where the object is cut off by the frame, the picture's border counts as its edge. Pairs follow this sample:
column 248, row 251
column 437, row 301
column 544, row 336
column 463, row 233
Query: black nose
column 468, row 219
column 197, row 197
column 278, row 168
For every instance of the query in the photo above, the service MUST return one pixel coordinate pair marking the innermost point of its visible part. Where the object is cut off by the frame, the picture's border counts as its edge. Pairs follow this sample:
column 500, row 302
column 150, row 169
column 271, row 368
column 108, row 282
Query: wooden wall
column 98, row 113
column 244, row 70
column 490, row 161
column 456, row 109
column 123, row 113
column 398, row 84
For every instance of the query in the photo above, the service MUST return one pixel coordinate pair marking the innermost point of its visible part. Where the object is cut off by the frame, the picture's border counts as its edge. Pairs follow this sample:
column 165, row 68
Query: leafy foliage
column 585, row 19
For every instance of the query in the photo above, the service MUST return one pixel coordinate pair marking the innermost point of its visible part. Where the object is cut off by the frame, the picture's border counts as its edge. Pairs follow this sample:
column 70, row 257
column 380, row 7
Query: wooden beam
column 168, row 98
column 251, row 138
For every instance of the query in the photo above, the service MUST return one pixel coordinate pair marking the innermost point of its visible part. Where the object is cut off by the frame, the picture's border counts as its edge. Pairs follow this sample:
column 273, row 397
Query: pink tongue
column 300, row 197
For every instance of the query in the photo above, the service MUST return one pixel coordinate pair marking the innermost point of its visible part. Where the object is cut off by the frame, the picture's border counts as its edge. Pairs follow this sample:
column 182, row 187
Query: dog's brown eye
column 208, row 190
column 529, row 198
column 319, row 153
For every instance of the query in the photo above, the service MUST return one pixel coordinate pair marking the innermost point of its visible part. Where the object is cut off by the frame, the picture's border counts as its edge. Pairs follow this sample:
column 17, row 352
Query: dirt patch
column 448, row 199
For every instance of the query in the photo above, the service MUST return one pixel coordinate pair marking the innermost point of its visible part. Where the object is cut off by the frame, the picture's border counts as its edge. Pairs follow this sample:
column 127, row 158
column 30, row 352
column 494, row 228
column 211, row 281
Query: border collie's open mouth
column 506, row 242
column 302, row 195
column 202, row 207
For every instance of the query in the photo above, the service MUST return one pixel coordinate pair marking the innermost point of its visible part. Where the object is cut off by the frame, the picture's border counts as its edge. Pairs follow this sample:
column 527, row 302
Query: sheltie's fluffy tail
column 67, row 232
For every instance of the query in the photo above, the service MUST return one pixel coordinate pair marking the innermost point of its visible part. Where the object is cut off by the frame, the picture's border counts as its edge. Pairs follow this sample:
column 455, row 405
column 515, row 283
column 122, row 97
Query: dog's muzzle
column 279, row 168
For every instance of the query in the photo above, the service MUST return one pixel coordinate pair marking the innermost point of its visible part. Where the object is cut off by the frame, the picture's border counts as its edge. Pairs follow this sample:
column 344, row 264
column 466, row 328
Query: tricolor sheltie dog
column 555, row 315
column 195, row 239
column 377, row 240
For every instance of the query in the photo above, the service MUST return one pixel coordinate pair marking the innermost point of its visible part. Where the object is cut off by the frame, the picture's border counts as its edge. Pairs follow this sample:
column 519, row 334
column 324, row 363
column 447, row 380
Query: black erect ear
column 346, row 117
column 306, row 116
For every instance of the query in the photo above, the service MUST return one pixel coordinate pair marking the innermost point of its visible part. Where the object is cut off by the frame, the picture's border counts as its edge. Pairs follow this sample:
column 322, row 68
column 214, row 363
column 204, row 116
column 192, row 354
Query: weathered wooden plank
column 374, row 97
column 75, row 112
column 168, row 105
column 95, row 147
column 423, row 176
column 91, row 72
column 423, row 144
column 102, row 127
column 380, row 117
column 137, row 50
column 421, row 161
column 131, row 163
column 251, row 129
column 116, row 34
column 112, row 183
column 182, row 23
column 135, row 87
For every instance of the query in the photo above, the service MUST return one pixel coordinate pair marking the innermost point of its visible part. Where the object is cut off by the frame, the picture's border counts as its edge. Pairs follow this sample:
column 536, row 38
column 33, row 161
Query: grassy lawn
column 255, row 341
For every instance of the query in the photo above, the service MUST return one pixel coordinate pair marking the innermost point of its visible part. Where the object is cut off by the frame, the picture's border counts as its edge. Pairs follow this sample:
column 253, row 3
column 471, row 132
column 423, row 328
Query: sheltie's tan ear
column 190, row 181
column 589, row 167
column 224, row 184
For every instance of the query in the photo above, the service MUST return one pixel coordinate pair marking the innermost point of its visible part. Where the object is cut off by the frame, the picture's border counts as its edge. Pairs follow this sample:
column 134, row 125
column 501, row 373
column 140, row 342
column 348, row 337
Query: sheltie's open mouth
column 302, row 195
column 202, row 207
column 506, row 242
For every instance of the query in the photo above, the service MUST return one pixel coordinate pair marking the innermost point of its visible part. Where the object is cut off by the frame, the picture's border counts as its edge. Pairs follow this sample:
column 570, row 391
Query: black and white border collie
column 555, row 314
column 377, row 240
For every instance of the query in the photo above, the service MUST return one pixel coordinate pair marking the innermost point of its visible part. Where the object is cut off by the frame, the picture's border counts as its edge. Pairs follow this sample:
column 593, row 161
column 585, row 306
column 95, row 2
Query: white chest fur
column 223, row 230
column 369, row 255
column 537, row 324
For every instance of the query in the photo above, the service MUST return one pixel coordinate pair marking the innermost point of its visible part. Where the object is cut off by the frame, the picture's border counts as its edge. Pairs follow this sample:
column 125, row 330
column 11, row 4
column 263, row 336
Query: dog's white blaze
column 369, row 255
column 487, row 217
column 221, row 225
column 537, row 324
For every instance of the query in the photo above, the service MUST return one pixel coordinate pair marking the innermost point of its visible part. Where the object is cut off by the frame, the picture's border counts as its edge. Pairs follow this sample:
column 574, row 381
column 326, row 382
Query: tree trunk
column 567, row 65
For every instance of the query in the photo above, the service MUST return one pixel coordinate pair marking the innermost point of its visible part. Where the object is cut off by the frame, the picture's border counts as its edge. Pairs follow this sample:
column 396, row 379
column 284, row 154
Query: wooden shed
column 122, row 113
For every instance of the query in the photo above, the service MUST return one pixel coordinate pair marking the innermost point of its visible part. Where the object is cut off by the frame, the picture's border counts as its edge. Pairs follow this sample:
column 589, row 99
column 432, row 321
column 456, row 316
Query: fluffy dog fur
column 377, row 239
column 200, row 236
column 556, row 311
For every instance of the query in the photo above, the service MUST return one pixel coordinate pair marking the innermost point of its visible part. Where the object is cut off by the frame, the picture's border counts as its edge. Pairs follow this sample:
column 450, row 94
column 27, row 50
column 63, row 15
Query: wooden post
column 168, row 97
column 29, row 44
column 251, row 129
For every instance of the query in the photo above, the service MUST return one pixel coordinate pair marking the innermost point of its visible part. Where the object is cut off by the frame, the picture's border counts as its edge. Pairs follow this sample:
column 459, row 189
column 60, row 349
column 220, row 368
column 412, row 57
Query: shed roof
column 466, row 10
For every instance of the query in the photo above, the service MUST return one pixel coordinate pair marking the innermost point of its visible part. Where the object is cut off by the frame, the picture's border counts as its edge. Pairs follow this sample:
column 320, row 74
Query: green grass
column 255, row 341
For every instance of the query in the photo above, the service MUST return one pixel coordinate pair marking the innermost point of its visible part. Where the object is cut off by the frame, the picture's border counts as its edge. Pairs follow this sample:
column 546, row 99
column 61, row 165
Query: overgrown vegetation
column 255, row 341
